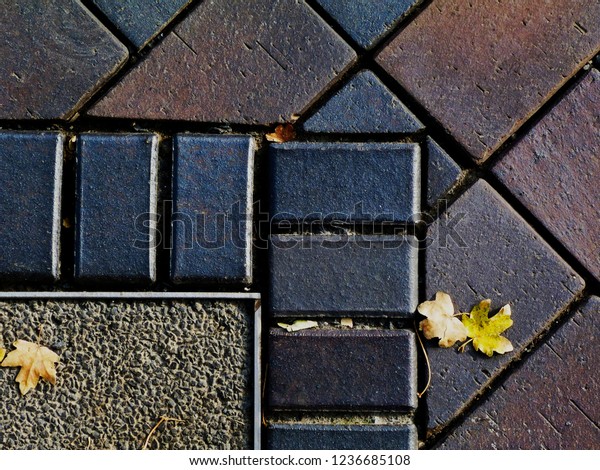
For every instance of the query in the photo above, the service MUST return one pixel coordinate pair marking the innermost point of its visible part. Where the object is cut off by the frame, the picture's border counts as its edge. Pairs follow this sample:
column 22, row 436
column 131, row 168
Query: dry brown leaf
column 299, row 325
column 283, row 133
column 441, row 322
column 35, row 361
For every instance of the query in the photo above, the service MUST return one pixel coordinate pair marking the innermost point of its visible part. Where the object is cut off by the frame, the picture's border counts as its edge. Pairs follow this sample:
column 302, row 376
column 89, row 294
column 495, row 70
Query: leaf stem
column 421, row 393
column 462, row 347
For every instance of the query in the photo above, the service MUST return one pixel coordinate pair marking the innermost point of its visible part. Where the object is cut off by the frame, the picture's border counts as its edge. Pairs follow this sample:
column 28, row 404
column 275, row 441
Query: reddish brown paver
column 52, row 58
column 554, row 170
column 551, row 402
column 255, row 61
column 483, row 67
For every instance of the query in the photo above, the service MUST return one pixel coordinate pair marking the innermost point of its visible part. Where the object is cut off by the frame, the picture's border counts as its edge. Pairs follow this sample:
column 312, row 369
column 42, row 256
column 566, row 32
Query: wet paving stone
column 483, row 68
column 555, row 168
column 363, row 105
column 116, row 233
column 343, row 276
column 140, row 20
column 259, row 62
column 550, row 402
column 442, row 172
column 212, row 209
column 366, row 21
column 346, row 182
column 353, row 437
column 481, row 248
column 53, row 59
column 30, row 187
column 342, row 369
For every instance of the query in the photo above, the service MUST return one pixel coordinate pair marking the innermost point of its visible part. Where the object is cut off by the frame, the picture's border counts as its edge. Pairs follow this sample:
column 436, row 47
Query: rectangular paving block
column 344, row 181
column 30, row 195
column 116, row 233
column 550, row 402
column 482, row 68
column 481, row 248
column 212, row 208
column 331, row 437
column 342, row 276
column 342, row 370
column 555, row 168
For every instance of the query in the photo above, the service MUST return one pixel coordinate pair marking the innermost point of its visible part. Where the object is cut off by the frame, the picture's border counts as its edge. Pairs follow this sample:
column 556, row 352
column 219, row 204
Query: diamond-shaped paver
column 257, row 61
column 52, row 58
column 551, row 402
column 482, row 68
column 554, row 170
column 481, row 248
column 442, row 172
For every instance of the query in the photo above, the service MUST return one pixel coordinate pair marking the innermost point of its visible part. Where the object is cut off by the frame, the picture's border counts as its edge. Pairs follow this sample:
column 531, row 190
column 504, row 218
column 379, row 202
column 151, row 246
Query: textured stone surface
column 323, row 437
column 122, row 366
column 551, row 402
column 52, row 59
column 116, row 193
column 442, row 172
column 30, row 182
column 482, row 68
column 140, row 20
column 212, row 208
column 256, row 61
column 366, row 21
column 554, row 170
column 341, row 276
column 342, row 369
column 317, row 181
column 501, row 258
column 364, row 104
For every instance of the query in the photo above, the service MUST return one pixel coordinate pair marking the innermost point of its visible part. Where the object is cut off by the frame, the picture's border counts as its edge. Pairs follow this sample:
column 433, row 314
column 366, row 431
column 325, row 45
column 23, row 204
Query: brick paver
column 257, row 61
column 500, row 257
column 554, row 170
column 442, row 172
column 551, row 402
column 52, row 59
column 482, row 68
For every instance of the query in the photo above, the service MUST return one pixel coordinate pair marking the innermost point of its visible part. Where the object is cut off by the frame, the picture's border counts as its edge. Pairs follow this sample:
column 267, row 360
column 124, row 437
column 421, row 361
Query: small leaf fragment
column 283, row 133
column 2, row 353
column 347, row 322
column 299, row 325
column 441, row 322
column 486, row 331
column 35, row 361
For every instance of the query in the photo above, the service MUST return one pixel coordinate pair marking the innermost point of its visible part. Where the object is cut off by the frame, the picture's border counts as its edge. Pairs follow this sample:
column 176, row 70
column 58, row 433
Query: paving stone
column 53, row 58
column 125, row 364
column 366, row 105
column 212, row 208
column 327, row 437
column 141, row 20
column 257, row 61
column 498, row 256
column 343, row 276
column 367, row 21
column 116, row 236
column 442, row 172
column 342, row 369
column 550, row 402
column 345, row 181
column 30, row 186
column 481, row 69
column 554, row 170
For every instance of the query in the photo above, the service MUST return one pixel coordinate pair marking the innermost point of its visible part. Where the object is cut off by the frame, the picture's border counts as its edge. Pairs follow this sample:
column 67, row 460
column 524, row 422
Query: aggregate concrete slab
column 123, row 365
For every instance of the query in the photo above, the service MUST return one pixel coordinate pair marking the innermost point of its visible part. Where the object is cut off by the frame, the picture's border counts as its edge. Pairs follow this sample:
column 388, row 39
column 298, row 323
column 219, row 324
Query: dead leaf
column 2, row 353
column 441, row 322
column 35, row 361
column 347, row 322
column 283, row 133
column 299, row 325
column 485, row 331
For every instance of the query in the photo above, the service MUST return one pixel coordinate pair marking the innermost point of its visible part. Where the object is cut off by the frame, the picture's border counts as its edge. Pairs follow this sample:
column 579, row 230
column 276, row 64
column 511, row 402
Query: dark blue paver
column 442, row 172
column 331, row 275
column 212, row 208
column 116, row 193
column 140, row 20
column 342, row 369
column 366, row 21
column 30, row 184
column 366, row 105
column 331, row 437
column 344, row 181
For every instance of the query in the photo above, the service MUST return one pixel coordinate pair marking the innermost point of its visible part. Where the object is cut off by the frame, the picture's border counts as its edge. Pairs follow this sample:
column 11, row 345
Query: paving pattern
column 437, row 145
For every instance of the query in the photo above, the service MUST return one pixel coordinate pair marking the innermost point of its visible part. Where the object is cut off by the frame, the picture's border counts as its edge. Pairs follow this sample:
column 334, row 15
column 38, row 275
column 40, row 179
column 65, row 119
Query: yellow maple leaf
column 441, row 322
column 485, row 331
column 35, row 361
